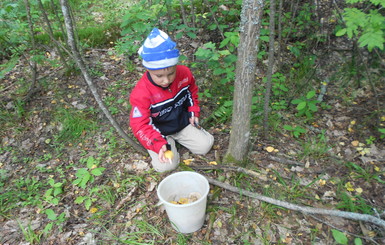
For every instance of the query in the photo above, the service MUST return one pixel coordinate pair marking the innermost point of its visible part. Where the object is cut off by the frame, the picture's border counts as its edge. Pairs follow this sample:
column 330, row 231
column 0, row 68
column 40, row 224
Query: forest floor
column 337, row 163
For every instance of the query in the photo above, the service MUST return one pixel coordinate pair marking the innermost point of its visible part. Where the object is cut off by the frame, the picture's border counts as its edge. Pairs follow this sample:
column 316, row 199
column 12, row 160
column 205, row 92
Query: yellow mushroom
column 168, row 154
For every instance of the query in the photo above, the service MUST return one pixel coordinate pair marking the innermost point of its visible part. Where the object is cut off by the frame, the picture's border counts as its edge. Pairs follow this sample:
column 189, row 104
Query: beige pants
column 198, row 141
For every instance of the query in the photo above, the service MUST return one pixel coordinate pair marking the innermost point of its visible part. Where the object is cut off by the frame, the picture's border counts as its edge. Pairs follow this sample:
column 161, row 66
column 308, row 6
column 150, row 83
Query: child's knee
column 204, row 146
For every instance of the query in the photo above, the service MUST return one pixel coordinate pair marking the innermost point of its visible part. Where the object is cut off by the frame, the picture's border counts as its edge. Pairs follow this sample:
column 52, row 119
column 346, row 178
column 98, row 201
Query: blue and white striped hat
column 158, row 51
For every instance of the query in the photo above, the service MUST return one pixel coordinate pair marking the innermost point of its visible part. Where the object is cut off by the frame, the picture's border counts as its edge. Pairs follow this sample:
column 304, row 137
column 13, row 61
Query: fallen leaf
column 349, row 186
column 269, row 149
column 322, row 182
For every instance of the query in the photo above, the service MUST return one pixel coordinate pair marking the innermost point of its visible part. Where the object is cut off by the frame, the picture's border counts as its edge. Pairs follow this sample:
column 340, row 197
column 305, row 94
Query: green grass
column 314, row 147
column 73, row 125
column 24, row 191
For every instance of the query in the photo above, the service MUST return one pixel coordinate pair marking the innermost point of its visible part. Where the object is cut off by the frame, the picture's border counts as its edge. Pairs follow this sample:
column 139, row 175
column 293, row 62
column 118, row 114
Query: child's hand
column 194, row 121
column 165, row 154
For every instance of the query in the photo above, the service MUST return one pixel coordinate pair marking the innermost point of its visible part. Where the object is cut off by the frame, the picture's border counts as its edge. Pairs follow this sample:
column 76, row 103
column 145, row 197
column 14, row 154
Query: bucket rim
column 201, row 199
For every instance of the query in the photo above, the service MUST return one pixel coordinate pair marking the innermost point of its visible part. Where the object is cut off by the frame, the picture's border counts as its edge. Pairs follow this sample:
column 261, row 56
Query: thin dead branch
column 303, row 209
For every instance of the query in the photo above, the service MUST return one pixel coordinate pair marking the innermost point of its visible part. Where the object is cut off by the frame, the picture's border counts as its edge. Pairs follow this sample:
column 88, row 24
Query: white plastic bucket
column 185, row 218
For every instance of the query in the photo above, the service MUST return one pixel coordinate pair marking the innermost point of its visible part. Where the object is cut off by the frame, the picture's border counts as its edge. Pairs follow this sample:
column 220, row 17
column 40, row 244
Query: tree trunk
column 184, row 18
column 250, row 26
column 266, row 107
column 33, row 64
column 80, row 63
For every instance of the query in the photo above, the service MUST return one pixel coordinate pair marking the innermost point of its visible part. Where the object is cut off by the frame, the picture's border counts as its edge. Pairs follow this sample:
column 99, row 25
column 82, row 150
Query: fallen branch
column 303, row 209
column 224, row 167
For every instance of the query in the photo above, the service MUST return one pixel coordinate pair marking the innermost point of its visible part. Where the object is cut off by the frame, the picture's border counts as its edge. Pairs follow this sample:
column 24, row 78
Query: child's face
column 163, row 77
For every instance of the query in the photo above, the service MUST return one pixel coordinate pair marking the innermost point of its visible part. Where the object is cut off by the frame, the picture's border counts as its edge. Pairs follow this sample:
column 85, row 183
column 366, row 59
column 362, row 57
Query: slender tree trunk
column 192, row 13
column 279, row 48
column 33, row 64
column 215, row 19
column 51, row 34
column 293, row 10
column 250, row 26
column 270, row 66
column 184, row 18
column 80, row 63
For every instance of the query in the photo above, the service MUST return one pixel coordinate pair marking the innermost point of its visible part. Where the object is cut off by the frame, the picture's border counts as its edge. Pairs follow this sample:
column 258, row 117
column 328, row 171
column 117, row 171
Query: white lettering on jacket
column 143, row 137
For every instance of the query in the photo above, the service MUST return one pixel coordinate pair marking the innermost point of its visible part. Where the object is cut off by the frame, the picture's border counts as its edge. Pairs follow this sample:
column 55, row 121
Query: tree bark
column 80, row 63
column 250, row 26
column 266, row 107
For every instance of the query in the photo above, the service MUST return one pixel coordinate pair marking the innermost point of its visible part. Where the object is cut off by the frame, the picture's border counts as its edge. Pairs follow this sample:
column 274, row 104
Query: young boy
column 165, row 106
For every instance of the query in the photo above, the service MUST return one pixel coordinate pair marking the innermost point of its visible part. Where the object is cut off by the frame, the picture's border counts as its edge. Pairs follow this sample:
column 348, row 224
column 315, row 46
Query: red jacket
column 157, row 112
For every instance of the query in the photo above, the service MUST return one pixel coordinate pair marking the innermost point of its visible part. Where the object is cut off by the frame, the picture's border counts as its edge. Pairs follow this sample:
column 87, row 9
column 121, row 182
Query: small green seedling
column 296, row 131
column 52, row 193
column 87, row 175
column 306, row 106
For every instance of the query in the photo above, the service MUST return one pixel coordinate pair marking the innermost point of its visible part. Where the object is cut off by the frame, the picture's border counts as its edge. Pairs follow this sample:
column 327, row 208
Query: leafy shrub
column 368, row 27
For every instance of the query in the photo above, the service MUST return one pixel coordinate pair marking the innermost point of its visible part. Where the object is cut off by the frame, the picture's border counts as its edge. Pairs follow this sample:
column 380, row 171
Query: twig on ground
column 124, row 200
column 233, row 168
column 303, row 209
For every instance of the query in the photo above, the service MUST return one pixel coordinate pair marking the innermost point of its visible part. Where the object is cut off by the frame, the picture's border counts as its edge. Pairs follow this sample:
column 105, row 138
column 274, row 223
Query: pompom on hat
column 158, row 51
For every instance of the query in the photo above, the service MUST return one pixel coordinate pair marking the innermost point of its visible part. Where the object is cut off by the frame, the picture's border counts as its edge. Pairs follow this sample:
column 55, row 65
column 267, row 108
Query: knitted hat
column 158, row 51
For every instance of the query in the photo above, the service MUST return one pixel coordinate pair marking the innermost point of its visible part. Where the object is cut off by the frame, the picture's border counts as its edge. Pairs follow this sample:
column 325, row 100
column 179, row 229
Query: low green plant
column 353, row 203
column 73, row 125
column 88, row 174
column 27, row 191
column 295, row 131
column 306, row 105
column 108, row 194
column 341, row 238
column 382, row 132
column 30, row 235
column 315, row 147
column 57, row 220
column 56, row 188
column 87, row 200
column 367, row 174
column 279, row 87
column 223, row 112
column 136, row 237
